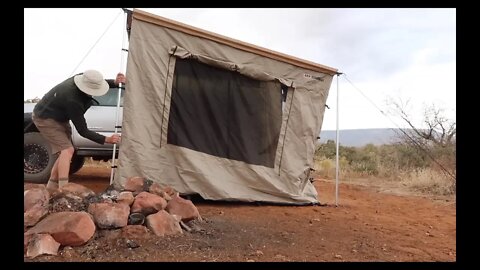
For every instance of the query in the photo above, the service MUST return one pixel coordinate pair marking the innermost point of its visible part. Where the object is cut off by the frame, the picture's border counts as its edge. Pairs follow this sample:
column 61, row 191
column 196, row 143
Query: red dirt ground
column 368, row 225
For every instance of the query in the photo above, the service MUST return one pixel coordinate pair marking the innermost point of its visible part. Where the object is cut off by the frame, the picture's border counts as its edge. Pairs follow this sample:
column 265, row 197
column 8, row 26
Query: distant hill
column 361, row 137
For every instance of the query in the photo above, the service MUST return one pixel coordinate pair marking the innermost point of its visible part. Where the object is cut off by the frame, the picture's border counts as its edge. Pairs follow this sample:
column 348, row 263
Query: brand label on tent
column 312, row 77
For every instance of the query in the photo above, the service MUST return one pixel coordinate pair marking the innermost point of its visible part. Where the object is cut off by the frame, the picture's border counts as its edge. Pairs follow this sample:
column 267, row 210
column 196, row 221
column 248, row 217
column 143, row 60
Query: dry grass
column 89, row 162
column 429, row 181
column 426, row 180
column 325, row 167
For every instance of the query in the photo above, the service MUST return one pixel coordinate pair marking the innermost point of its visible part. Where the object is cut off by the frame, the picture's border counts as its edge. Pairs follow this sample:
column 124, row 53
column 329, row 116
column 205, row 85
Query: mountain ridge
column 361, row 137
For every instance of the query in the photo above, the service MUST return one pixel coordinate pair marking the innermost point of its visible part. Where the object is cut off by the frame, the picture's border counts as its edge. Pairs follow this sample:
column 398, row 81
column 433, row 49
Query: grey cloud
column 380, row 42
column 361, row 42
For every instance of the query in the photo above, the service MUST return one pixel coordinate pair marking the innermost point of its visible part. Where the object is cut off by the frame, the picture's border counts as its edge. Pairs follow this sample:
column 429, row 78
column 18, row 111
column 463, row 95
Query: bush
column 396, row 162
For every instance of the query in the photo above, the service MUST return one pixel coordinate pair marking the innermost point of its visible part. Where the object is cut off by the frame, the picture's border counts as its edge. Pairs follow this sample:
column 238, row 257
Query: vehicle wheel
column 76, row 164
column 37, row 158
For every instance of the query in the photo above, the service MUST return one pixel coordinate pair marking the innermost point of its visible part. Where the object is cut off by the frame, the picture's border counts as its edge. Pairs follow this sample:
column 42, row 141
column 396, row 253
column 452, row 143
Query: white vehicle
column 37, row 154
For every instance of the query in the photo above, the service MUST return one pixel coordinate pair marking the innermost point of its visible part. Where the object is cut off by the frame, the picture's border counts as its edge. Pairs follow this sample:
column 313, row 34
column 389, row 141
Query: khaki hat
column 91, row 82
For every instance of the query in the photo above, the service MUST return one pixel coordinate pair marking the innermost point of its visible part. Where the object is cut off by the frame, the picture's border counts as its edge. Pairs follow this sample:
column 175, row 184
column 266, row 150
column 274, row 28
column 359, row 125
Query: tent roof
column 178, row 26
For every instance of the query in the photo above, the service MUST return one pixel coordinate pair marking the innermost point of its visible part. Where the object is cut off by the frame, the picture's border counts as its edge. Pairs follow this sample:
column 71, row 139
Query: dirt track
column 367, row 226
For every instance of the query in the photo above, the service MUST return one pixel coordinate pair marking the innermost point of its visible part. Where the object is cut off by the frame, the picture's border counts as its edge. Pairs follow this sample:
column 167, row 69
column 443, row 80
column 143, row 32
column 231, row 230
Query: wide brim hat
column 91, row 82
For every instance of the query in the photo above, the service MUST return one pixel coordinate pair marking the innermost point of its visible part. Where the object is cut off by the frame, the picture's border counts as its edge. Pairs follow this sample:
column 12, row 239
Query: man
column 69, row 100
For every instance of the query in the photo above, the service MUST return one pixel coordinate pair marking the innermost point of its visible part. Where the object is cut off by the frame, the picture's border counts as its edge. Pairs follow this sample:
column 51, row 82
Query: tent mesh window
column 224, row 113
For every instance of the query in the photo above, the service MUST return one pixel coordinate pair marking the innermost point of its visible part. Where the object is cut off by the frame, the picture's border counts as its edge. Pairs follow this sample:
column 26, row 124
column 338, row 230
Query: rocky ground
column 368, row 225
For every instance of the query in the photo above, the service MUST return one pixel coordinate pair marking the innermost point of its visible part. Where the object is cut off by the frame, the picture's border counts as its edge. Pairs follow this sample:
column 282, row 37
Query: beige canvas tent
column 210, row 115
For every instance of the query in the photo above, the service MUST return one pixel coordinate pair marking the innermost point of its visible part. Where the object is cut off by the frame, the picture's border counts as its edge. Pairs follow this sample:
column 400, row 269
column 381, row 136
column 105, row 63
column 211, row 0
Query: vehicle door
column 101, row 118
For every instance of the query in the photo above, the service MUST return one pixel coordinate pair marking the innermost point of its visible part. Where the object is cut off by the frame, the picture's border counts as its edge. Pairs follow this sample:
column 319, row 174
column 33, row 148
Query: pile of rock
column 71, row 215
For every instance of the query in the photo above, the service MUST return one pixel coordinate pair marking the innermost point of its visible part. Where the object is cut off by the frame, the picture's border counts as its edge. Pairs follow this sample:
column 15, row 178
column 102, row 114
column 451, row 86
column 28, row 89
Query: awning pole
column 120, row 87
column 337, row 168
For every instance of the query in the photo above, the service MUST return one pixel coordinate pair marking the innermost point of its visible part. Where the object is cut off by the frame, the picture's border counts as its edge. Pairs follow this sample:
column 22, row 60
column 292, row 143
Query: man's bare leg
column 63, row 165
column 53, row 181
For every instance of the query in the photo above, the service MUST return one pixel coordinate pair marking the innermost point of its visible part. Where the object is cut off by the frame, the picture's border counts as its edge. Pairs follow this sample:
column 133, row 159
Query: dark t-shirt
column 66, row 102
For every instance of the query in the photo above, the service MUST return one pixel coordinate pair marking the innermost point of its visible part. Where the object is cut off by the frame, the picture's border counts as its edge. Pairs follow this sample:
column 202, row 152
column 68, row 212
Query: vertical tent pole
column 337, row 169
column 120, row 86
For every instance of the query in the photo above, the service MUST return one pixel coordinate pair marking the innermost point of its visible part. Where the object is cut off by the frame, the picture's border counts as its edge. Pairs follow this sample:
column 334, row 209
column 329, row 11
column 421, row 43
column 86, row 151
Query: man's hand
column 115, row 138
column 120, row 79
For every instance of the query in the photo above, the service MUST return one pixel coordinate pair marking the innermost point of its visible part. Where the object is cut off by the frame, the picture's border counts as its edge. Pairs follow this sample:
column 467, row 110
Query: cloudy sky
column 400, row 54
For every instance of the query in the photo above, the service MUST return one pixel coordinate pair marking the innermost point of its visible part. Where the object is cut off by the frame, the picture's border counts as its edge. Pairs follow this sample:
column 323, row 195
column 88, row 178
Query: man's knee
column 68, row 151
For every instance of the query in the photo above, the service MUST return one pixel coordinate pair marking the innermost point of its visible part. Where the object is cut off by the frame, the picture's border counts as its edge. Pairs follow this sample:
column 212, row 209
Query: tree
column 328, row 149
column 438, row 129
column 435, row 139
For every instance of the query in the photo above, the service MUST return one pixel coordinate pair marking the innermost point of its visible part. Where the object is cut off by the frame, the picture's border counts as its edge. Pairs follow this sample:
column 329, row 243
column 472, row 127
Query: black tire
column 37, row 158
column 76, row 164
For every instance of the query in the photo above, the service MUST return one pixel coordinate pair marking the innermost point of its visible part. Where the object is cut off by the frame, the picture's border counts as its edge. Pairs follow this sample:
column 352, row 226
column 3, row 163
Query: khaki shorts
column 58, row 134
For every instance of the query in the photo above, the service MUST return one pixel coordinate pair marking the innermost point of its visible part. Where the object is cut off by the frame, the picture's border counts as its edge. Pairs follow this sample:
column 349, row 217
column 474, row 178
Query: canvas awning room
column 210, row 115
